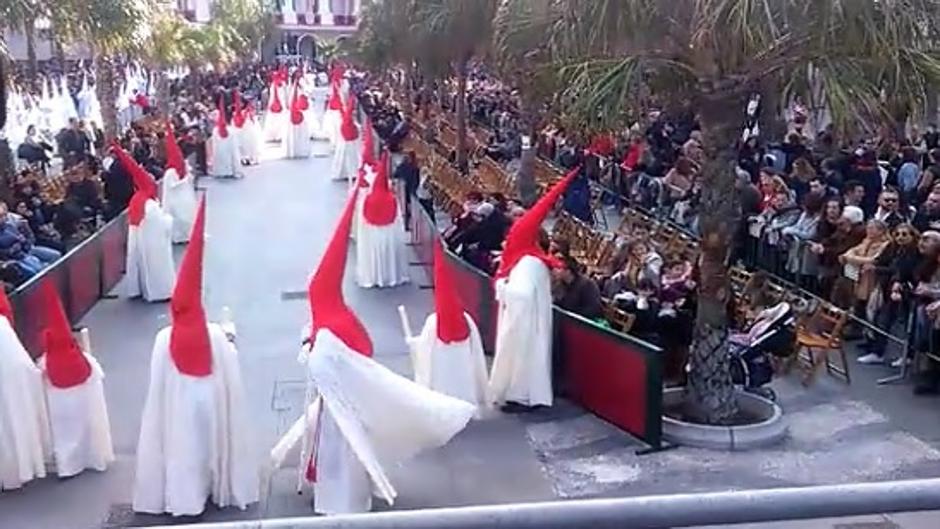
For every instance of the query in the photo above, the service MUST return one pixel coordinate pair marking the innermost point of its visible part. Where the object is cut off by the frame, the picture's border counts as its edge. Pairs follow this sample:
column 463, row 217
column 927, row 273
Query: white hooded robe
column 457, row 369
column 346, row 159
column 25, row 445
column 195, row 435
column 179, row 199
column 78, row 419
column 223, row 155
column 297, row 142
column 381, row 253
column 522, row 367
column 150, row 269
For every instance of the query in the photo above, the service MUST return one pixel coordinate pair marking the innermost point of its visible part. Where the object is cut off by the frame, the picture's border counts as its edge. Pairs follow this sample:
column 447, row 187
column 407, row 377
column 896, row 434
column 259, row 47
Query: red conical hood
column 190, row 347
column 66, row 365
column 296, row 113
column 220, row 124
column 6, row 309
column 523, row 237
column 327, row 306
column 144, row 186
column 337, row 71
column 174, row 156
column 368, row 145
column 349, row 129
column 451, row 323
column 380, row 206
column 335, row 102
column 238, row 118
column 275, row 105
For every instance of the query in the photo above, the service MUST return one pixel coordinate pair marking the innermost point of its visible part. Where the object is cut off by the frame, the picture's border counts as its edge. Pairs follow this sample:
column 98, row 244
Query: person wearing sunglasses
column 890, row 210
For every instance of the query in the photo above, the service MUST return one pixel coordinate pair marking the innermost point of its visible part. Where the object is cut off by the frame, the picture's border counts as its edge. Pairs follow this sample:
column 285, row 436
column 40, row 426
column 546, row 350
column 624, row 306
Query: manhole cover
column 120, row 515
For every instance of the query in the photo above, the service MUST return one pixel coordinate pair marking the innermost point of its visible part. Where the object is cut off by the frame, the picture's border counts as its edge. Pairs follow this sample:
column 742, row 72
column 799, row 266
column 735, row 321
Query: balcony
column 318, row 14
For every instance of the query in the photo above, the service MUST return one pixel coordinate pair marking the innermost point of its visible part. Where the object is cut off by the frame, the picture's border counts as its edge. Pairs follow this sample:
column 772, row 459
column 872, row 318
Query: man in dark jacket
column 577, row 293
column 118, row 188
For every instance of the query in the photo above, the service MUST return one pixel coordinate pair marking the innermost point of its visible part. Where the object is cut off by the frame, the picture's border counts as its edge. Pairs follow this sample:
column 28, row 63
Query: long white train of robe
column 381, row 254
column 78, row 419
column 150, row 269
column 223, row 155
column 195, row 435
column 179, row 201
column 346, row 159
column 457, row 369
column 297, row 142
column 522, row 367
column 25, row 445
column 350, row 433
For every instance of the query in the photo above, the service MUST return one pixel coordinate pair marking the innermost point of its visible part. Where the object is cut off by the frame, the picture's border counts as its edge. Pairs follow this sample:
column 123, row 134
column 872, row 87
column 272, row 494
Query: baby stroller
column 772, row 333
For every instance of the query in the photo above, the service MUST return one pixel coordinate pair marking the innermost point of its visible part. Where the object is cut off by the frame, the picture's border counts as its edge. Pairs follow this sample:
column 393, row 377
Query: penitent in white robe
column 349, row 431
column 346, row 159
column 522, row 367
column 381, row 254
column 360, row 200
column 457, row 369
column 297, row 142
column 195, row 435
column 150, row 269
column 223, row 155
column 179, row 199
column 249, row 142
column 78, row 419
column 274, row 125
column 329, row 126
column 25, row 445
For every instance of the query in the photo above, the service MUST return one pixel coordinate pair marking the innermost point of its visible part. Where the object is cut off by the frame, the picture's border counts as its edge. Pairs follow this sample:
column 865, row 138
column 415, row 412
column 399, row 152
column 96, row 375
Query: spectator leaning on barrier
column 576, row 292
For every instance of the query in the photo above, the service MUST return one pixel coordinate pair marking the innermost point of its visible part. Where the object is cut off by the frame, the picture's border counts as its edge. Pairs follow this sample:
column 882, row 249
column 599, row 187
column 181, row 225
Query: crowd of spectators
column 855, row 223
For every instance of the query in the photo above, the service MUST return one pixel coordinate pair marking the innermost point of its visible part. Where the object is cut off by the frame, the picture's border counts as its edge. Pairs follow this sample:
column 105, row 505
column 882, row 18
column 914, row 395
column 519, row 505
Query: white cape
column 274, row 126
column 223, row 155
column 457, row 369
column 249, row 142
column 78, row 418
column 381, row 254
column 522, row 367
column 25, row 445
column 150, row 269
column 346, row 159
column 297, row 142
column 366, row 420
column 179, row 198
column 194, row 435
column 332, row 119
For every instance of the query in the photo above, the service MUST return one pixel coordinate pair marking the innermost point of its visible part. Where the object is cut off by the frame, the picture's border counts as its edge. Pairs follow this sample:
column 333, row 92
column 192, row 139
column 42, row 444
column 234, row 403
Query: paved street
column 265, row 235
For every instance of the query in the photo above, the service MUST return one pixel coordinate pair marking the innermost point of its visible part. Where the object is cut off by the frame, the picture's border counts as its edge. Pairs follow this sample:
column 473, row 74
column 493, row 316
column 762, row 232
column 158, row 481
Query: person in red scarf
column 522, row 367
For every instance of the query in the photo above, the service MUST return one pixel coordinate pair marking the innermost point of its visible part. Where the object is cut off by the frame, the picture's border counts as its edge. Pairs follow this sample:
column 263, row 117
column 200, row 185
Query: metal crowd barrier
column 82, row 276
column 643, row 512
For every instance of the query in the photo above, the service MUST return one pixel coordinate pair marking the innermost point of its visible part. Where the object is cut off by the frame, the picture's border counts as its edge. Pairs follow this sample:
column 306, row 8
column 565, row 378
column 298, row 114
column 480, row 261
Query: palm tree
column 460, row 29
column 110, row 28
column 866, row 58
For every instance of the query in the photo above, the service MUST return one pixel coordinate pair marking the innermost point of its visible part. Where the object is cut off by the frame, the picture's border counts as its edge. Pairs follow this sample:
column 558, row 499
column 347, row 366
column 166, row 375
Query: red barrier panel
column 476, row 291
column 113, row 253
column 82, row 270
column 616, row 376
column 81, row 278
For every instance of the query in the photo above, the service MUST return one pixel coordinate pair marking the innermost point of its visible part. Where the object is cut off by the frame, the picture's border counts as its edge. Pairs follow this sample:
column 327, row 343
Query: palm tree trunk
column 104, row 88
column 710, row 393
column 461, row 109
column 162, row 90
column 30, row 32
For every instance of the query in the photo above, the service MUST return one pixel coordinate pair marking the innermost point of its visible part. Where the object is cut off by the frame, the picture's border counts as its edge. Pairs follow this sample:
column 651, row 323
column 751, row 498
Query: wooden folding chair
column 821, row 334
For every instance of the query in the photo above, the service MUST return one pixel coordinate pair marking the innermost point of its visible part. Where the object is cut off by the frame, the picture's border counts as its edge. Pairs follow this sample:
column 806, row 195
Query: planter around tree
column 768, row 426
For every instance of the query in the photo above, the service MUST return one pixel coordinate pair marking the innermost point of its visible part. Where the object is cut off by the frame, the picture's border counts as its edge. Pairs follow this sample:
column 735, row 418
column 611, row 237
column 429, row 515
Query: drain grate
column 293, row 295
